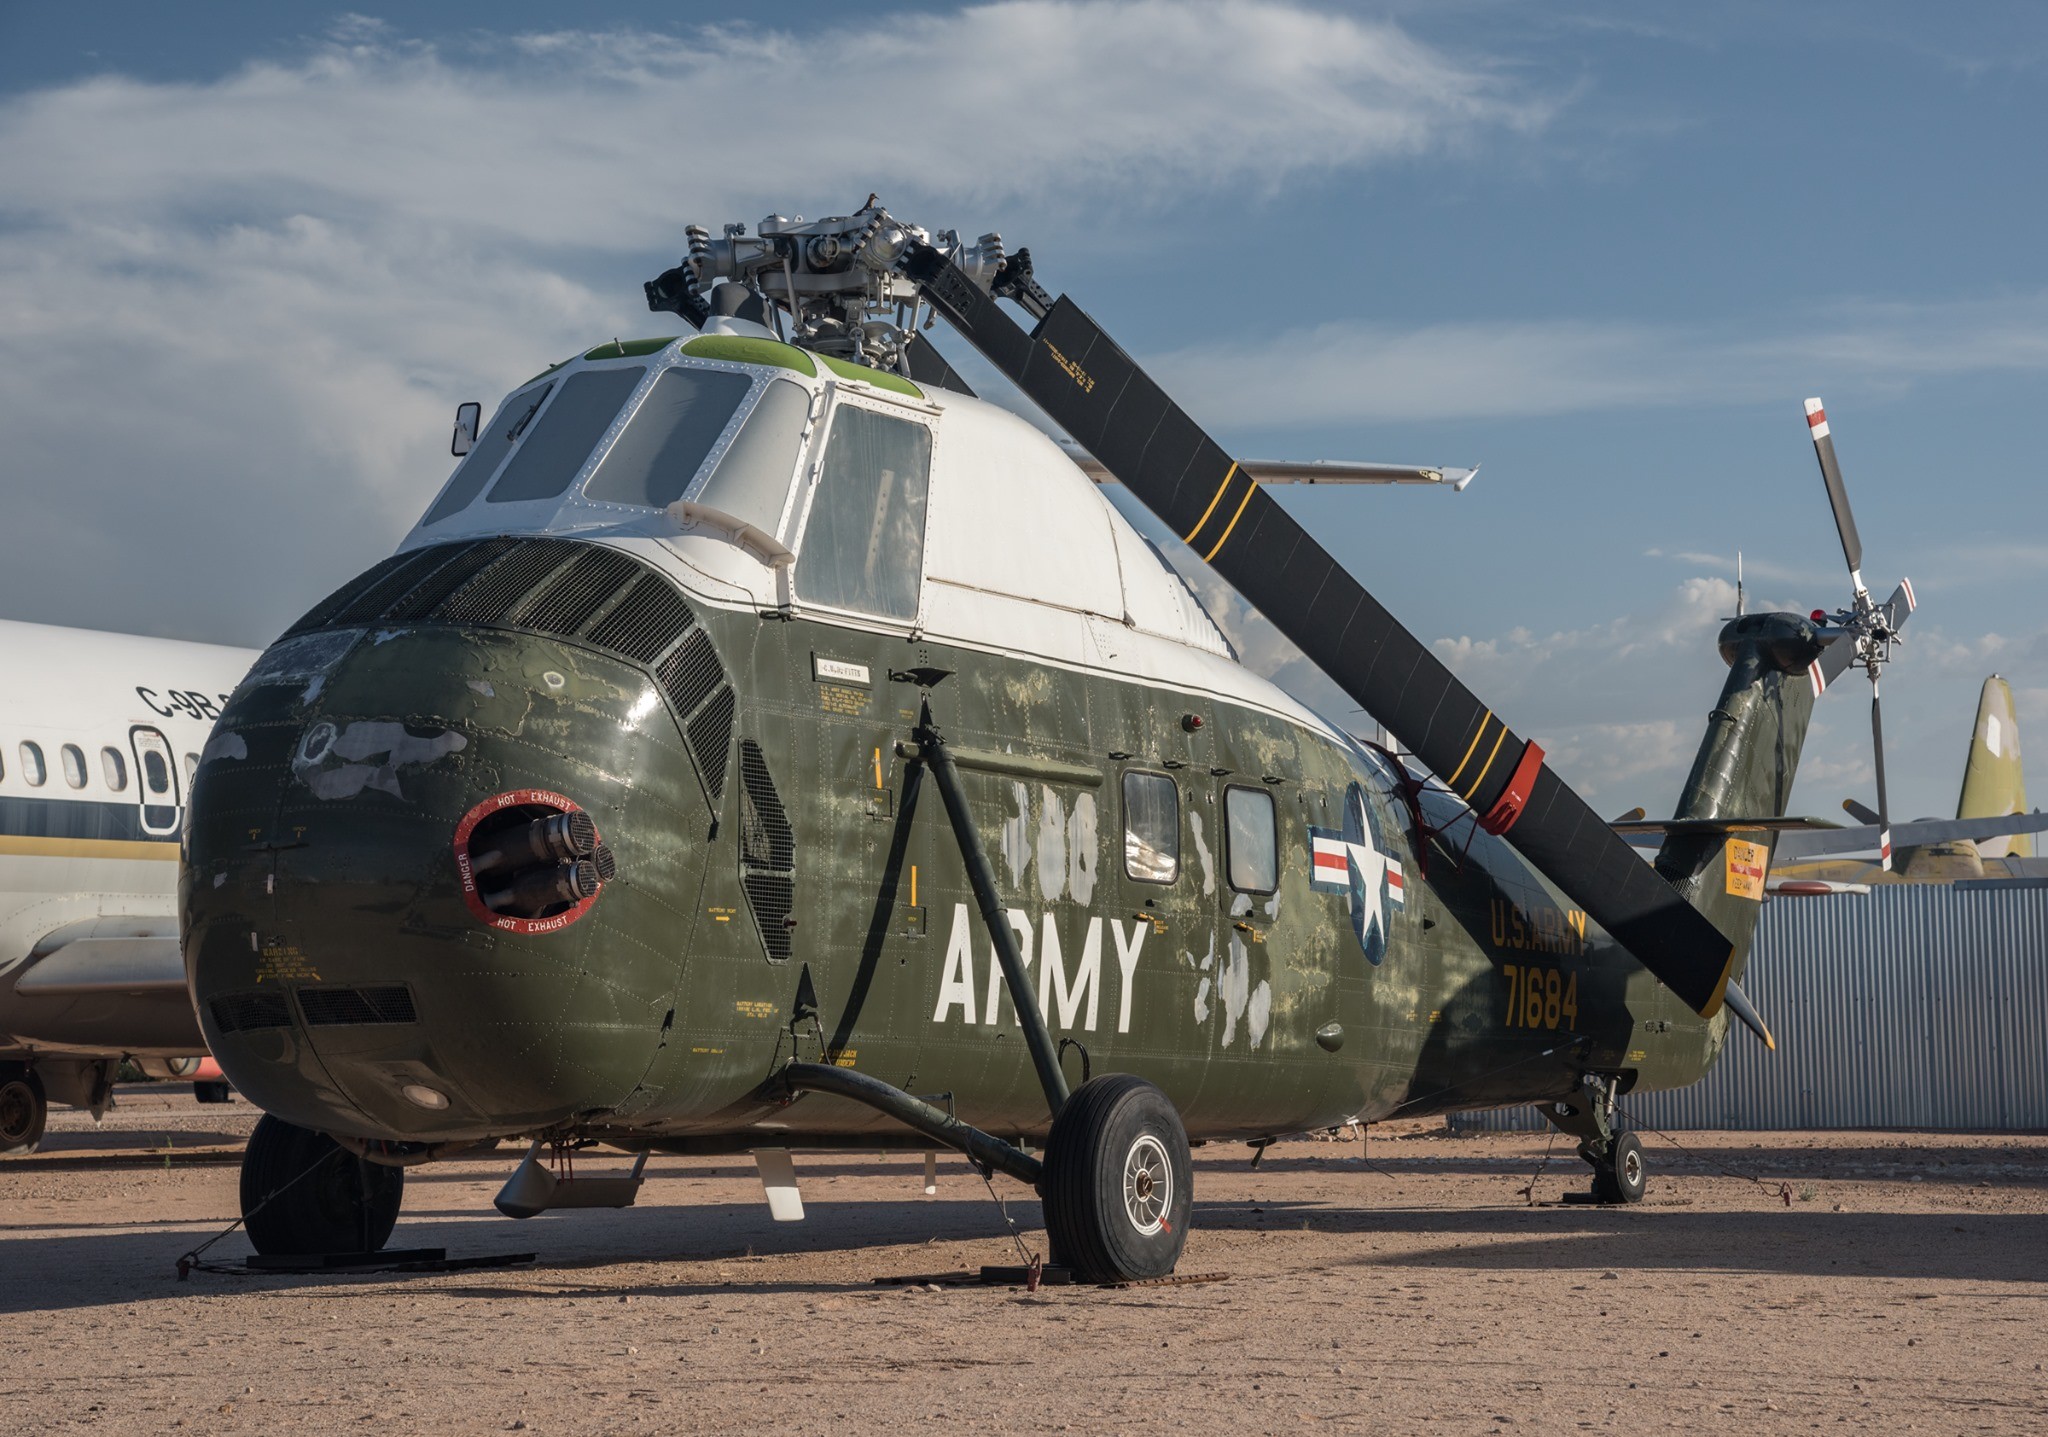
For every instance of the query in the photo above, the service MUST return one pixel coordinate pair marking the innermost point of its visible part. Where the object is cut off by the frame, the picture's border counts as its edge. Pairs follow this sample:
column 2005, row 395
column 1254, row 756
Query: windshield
column 553, row 450
column 506, row 425
column 752, row 480
column 659, row 453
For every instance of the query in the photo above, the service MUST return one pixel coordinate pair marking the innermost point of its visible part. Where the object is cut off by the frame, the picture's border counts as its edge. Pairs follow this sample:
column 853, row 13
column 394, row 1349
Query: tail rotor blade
column 1884, row 813
column 1838, row 496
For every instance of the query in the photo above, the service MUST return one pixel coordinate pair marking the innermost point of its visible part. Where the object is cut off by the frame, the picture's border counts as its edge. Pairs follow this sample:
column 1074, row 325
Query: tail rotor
column 1865, row 632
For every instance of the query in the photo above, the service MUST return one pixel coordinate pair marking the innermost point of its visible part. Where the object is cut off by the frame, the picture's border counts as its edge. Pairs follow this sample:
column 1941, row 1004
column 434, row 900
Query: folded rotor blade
column 1742, row 1008
column 1831, row 473
column 1899, row 607
column 1085, row 383
column 928, row 366
column 1859, row 812
column 1310, row 471
column 1830, row 842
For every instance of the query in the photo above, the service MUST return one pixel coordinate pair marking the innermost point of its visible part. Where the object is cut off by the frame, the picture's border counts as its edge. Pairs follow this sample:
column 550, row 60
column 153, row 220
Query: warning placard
column 1746, row 864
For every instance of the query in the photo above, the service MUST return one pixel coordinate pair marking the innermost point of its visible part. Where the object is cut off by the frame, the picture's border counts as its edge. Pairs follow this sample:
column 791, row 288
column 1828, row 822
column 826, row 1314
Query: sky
column 253, row 255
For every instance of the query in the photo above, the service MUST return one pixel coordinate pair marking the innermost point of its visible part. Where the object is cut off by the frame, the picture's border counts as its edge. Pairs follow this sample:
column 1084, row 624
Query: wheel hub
column 1148, row 1185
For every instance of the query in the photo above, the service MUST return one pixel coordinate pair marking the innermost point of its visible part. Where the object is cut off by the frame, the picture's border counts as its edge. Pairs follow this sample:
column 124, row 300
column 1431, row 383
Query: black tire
column 214, row 1091
column 23, row 1109
column 303, row 1193
column 1624, row 1177
column 1118, row 1189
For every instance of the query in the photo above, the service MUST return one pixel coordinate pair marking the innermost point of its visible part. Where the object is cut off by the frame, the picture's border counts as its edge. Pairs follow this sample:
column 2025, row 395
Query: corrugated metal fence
column 1920, row 1006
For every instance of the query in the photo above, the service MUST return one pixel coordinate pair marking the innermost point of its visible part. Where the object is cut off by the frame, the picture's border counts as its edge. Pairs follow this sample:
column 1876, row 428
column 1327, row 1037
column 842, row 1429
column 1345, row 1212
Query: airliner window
column 511, row 420
column 662, row 449
column 32, row 764
column 863, row 547
column 73, row 759
column 1250, row 841
column 1151, row 827
column 156, row 774
column 554, row 449
column 115, row 769
column 751, row 481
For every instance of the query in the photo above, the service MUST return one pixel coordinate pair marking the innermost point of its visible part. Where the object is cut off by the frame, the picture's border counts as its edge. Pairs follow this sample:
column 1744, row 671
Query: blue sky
column 252, row 254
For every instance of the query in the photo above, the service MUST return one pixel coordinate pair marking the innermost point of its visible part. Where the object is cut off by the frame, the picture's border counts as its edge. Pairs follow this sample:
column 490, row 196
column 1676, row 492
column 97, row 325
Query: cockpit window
column 752, row 479
column 512, row 419
column 863, row 547
column 554, row 448
column 653, row 461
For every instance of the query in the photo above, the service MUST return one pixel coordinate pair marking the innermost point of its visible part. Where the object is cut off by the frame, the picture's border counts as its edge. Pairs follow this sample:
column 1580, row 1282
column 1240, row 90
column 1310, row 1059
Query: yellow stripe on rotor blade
column 1189, row 537
column 1251, row 487
column 1486, row 767
column 1480, row 733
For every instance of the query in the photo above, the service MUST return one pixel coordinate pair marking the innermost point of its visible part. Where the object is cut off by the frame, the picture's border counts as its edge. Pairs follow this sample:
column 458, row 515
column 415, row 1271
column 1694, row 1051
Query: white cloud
column 235, row 316
column 1355, row 372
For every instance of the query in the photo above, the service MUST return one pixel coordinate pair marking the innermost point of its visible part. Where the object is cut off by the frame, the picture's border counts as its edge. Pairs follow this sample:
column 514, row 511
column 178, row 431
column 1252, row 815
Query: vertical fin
column 1993, row 783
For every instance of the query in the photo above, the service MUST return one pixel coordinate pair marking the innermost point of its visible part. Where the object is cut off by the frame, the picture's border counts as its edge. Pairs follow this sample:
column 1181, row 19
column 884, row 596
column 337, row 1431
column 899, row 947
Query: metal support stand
column 1588, row 1116
column 1037, row 1037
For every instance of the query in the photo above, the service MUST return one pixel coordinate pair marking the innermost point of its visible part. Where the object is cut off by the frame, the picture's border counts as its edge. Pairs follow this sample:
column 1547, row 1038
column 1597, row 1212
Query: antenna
column 1738, row 583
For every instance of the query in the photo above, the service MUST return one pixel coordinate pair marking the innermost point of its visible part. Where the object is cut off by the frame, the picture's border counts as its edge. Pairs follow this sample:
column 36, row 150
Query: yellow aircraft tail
column 1993, row 785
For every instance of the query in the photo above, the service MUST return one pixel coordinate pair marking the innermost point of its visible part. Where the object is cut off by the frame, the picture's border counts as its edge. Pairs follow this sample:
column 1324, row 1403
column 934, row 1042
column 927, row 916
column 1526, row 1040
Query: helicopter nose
column 419, row 886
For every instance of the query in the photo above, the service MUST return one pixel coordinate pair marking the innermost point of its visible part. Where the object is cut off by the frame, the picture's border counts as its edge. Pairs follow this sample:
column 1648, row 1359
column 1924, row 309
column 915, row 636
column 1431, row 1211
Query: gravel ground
column 1885, row 1282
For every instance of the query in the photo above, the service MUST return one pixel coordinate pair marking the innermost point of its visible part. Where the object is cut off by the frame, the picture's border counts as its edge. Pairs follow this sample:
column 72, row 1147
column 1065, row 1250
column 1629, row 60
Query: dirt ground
column 1881, row 1282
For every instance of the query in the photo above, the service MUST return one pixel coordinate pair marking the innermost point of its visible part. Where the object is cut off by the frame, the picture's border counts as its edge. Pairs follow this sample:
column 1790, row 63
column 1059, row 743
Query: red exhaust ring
column 490, row 827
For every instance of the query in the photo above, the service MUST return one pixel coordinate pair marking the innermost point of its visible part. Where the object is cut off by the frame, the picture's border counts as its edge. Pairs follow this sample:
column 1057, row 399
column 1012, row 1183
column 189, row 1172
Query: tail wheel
column 304, row 1193
column 23, row 1109
column 1622, row 1177
column 1118, row 1188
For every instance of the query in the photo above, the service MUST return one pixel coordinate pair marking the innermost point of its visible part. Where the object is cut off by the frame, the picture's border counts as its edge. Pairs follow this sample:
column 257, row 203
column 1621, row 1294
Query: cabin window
column 751, row 482
column 72, row 757
column 556, row 445
column 1250, row 841
column 863, row 547
column 156, row 773
column 114, row 768
column 32, row 768
column 654, row 459
column 513, row 418
column 1151, row 827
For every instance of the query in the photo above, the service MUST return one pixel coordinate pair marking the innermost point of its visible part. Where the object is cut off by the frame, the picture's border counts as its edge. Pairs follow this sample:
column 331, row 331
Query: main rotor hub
column 832, row 284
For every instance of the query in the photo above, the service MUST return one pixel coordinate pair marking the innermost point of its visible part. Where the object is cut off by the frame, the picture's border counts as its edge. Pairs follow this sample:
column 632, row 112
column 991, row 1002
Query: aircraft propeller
column 1864, row 632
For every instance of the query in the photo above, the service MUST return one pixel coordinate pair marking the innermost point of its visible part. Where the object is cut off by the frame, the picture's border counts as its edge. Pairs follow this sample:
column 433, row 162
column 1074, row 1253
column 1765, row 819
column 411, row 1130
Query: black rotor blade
column 1074, row 372
column 1860, row 812
column 1884, row 813
column 1838, row 497
column 928, row 366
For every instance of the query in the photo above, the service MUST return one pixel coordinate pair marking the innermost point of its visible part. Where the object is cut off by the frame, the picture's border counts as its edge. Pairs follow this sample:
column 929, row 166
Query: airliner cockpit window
column 653, row 461
column 863, row 547
column 554, row 449
column 511, row 420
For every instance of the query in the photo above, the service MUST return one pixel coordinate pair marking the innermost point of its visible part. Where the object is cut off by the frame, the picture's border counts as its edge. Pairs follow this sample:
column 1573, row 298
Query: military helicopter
column 762, row 744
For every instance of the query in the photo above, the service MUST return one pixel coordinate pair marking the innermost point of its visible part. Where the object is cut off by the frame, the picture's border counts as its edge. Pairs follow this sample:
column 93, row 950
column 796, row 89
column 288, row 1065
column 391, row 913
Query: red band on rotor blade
column 1816, row 419
column 1515, row 797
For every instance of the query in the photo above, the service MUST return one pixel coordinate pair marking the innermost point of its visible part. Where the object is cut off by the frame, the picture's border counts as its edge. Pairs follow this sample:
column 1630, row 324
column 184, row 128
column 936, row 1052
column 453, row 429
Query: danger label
column 1746, row 864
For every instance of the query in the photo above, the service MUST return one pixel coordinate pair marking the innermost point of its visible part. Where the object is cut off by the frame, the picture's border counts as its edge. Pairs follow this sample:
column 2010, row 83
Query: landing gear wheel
column 303, row 1193
column 1622, row 1177
column 23, row 1109
column 1118, row 1187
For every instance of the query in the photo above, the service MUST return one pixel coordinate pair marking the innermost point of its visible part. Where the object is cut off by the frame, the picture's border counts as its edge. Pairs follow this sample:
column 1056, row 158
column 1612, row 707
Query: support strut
column 1044, row 1057
column 934, row 1122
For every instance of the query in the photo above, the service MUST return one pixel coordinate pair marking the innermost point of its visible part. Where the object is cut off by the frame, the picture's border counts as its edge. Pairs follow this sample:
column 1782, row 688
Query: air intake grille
column 767, row 853
column 646, row 621
column 710, row 735
column 340, row 1007
column 245, row 1012
column 589, row 593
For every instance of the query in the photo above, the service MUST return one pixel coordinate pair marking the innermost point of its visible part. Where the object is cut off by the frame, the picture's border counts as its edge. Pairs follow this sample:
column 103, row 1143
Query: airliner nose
column 432, row 867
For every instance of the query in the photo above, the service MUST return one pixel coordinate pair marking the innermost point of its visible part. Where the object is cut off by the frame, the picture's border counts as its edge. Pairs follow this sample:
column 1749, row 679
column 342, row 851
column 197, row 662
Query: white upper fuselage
column 1021, row 553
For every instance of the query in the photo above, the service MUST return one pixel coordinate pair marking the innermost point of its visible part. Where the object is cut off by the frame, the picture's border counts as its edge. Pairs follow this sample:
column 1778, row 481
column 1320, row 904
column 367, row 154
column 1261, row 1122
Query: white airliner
column 99, row 735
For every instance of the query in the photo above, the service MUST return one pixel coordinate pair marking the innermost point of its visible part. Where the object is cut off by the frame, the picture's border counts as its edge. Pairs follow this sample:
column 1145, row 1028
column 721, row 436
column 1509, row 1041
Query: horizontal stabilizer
column 1830, row 841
